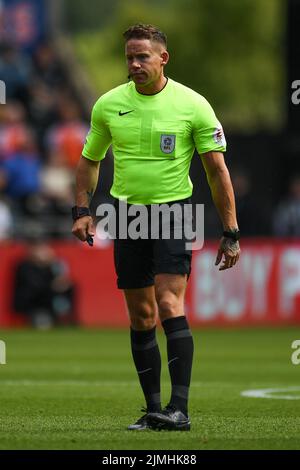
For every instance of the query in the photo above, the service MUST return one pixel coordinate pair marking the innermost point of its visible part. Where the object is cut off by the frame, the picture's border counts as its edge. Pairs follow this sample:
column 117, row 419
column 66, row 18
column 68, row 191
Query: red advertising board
column 264, row 288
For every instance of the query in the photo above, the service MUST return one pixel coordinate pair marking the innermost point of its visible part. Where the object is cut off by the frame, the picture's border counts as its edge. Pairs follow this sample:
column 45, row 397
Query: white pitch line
column 259, row 393
column 81, row 383
column 87, row 383
column 269, row 393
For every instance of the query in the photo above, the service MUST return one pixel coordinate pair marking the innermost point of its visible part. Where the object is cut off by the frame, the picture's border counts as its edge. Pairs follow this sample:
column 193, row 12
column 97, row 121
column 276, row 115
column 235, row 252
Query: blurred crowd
column 42, row 133
column 257, row 217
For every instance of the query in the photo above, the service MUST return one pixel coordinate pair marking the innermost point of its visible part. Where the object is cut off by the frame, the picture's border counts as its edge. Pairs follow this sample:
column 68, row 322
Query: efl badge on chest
column 167, row 143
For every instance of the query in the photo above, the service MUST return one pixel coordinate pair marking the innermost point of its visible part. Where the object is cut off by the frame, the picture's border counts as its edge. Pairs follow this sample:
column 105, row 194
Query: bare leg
column 142, row 307
column 169, row 291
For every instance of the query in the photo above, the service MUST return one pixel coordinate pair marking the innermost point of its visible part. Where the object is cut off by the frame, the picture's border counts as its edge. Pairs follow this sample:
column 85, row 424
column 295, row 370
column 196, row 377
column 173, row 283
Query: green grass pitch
column 77, row 389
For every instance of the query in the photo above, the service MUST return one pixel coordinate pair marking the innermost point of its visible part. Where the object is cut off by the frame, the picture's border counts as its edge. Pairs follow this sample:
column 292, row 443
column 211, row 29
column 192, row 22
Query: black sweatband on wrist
column 78, row 212
column 234, row 235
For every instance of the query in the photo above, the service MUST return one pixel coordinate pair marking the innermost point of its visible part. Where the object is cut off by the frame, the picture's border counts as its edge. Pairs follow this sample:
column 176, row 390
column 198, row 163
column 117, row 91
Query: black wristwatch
column 233, row 234
column 78, row 212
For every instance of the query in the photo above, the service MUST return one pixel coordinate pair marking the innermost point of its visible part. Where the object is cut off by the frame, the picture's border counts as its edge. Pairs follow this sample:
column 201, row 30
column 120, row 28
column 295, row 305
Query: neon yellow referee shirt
column 153, row 139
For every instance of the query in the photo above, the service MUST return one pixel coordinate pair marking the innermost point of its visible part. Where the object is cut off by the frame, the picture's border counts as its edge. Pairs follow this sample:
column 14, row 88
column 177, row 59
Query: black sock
column 180, row 349
column 147, row 361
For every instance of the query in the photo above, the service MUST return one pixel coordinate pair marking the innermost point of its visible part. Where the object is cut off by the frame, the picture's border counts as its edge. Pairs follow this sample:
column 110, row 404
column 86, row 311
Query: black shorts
column 137, row 261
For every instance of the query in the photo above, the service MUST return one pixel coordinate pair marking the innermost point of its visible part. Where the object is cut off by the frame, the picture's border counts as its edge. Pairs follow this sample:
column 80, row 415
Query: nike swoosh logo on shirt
column 122, row 114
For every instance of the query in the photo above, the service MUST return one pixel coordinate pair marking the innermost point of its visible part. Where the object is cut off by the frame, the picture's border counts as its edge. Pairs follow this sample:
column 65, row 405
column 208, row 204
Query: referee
column 154, row 125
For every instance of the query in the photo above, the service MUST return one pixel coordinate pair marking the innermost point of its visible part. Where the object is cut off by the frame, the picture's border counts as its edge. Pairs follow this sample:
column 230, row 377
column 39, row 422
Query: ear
column 164, row 58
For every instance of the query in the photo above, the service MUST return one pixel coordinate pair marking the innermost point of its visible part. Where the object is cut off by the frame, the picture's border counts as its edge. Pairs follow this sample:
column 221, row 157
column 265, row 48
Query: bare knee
column 142, row 307
column 143, row 316
column 169, row 306
column 169, row 294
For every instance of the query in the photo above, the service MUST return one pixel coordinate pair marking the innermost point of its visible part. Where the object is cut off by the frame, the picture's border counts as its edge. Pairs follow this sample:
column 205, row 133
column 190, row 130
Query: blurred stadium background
column 56, row 58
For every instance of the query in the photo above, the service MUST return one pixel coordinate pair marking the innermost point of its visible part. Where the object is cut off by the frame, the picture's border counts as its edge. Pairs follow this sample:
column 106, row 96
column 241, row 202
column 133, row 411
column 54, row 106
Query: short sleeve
column 98, row 138
column 208, row 133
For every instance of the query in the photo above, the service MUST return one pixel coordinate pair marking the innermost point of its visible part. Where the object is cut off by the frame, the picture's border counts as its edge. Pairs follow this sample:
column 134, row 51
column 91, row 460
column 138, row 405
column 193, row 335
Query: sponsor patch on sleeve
column 219, row 137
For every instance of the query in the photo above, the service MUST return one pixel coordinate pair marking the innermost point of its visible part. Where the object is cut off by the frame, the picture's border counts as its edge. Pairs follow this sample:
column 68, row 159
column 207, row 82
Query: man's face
column 145, row 61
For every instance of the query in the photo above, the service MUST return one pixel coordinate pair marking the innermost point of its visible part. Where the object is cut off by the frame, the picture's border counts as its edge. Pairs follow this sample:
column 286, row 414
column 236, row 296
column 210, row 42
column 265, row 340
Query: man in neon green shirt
column 154, row 125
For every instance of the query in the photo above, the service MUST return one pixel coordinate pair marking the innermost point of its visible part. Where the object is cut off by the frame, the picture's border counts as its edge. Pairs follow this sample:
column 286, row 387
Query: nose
column 135, row 64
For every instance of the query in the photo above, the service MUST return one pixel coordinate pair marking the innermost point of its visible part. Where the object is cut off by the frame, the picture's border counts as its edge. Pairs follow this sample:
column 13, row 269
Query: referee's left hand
column 230, row 250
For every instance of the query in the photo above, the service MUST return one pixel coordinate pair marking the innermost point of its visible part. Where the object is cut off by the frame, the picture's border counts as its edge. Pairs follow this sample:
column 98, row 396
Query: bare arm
column 223, row 196
column 221, row 188
column 86, row 181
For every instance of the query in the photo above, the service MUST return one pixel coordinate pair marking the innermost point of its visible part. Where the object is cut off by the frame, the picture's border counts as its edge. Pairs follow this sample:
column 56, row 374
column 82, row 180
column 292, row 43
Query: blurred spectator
column 19, row 173
column 6, row 220
column 43, row 290
column 286, row 220
column 47, row 66
column 57, row 181
column 42, row 109
column 57, row 191
column 15, row 71
column 13, row 128
column 252, row 213
column 67, row 137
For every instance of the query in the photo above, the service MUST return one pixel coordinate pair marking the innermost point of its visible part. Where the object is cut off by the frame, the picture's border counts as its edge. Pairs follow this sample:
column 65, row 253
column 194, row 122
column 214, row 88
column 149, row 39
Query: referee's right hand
column 83, row 227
